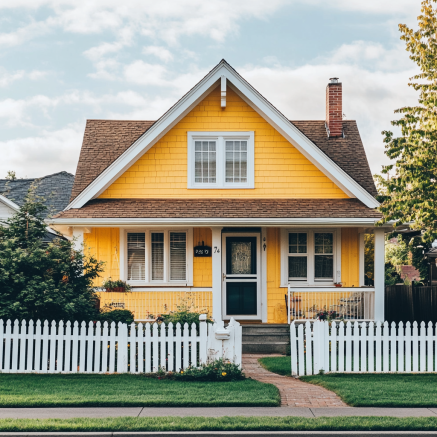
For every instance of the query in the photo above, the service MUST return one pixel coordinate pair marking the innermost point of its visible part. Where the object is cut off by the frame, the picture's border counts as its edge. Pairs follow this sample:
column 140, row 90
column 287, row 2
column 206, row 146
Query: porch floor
column 294, row 393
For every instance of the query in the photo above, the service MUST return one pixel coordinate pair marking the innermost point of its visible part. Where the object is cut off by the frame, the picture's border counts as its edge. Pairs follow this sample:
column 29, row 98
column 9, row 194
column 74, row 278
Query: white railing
column 101, row 348
column 362, row 347
column 343, row 303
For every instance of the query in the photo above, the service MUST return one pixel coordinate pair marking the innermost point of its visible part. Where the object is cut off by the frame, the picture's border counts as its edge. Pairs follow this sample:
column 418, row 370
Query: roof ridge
column 37, row 178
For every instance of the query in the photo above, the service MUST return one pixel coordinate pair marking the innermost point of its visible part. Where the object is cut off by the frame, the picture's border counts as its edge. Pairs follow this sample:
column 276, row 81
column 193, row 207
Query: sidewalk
column 100, row 412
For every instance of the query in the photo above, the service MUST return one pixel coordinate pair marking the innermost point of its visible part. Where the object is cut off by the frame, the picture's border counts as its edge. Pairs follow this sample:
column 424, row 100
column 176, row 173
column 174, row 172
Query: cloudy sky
column 64, row 61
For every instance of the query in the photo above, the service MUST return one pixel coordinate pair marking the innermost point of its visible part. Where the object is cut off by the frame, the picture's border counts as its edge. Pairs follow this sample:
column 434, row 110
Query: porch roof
column 220, row 209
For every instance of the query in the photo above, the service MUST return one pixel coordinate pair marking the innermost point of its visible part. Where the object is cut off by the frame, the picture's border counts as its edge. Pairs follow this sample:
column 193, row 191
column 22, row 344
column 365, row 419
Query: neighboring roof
column 347, row 152
column 225, row 74
column 221, row 208
column 103, row 142
column 9, row 203
column 54, row 188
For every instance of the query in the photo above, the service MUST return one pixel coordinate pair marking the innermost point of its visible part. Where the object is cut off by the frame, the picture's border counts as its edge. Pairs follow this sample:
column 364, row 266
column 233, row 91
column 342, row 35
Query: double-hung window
column 157, row 257
column 221, row 160
column 308, row 256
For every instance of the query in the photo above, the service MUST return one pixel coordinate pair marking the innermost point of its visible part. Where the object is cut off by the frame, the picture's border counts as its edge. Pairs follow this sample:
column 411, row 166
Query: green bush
column 123, row 316
column 187, row 312
column 217, row 370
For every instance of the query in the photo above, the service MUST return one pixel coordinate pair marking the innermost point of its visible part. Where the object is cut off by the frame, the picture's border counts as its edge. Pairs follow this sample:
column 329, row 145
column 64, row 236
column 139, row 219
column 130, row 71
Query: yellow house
column 225, row 201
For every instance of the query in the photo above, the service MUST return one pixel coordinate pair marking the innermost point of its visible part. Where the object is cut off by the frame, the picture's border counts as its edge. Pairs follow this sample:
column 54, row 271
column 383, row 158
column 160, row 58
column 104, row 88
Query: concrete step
column 254, row 338
column 266, row 348
column 266, row 331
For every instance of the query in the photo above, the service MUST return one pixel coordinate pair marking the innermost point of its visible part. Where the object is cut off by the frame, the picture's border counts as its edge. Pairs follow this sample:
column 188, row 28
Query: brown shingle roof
column 105, row 140
column 348, row 153
column 222, row 208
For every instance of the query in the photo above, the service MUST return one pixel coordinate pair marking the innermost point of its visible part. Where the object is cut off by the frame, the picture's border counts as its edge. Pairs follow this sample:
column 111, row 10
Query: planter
column 338, row 285
column 116, row 290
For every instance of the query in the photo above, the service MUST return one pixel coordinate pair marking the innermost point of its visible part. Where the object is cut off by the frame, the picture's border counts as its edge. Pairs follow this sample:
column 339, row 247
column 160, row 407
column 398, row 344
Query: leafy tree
column 398, row 254
column 410, row 195
column 11, row 175
column 39, row 280
column 369, row 254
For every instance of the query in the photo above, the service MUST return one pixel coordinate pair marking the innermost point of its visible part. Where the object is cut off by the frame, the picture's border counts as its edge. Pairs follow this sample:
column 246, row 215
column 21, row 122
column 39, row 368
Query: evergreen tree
column 43, row 281
column 410, row 195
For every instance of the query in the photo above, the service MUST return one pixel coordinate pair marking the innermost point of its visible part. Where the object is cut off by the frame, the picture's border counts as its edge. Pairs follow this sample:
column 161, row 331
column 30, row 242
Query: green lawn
column 222, row 423
column 31, row 390
column 369, row 390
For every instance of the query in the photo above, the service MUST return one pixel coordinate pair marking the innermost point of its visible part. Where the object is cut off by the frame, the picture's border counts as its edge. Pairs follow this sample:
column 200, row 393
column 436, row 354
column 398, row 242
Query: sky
column 65, row 61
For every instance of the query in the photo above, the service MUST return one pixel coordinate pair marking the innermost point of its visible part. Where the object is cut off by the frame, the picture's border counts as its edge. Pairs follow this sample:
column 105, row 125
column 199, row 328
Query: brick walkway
column 294, row 393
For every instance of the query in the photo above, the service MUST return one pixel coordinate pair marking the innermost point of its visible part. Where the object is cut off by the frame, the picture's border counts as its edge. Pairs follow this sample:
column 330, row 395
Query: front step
column 265, row 339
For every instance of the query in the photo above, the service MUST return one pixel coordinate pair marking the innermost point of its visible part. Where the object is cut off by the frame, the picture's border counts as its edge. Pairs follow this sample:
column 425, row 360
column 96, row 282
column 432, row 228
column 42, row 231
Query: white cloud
column 7, row 78
column 160, row 52
column 49, row 152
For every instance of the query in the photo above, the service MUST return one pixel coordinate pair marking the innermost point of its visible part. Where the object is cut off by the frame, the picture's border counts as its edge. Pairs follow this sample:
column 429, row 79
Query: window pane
column 205, row 161
column 157, row 256
column 323, row 242
column 324, row 266
column 297, row 242
column 297, row 267
column 136, row 249
column 236, row 161
column 178, row 256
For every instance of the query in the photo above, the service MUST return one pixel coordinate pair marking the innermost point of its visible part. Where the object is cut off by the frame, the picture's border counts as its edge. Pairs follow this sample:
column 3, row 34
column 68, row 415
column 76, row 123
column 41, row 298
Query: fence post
column 122, row 348
column 203, row 339
column 318, row 346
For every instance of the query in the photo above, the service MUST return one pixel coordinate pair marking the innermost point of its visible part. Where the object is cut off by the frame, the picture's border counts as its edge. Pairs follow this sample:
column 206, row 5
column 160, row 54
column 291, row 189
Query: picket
column 362, row 347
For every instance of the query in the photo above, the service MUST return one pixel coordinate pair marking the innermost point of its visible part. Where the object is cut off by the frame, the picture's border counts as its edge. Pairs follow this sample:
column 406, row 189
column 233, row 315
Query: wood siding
column 281, row 171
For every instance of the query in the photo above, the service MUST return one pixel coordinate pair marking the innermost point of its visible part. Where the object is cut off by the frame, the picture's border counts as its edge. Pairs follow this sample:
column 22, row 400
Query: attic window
column 223, row 160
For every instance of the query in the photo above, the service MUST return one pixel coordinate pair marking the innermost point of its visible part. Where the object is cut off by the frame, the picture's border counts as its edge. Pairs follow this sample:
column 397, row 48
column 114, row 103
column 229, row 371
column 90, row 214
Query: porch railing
column 341, row 303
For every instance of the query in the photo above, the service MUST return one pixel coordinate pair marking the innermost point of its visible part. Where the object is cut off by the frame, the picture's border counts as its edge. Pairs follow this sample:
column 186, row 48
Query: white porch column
column 217, row 274
column 379, row 274
column 78, row 238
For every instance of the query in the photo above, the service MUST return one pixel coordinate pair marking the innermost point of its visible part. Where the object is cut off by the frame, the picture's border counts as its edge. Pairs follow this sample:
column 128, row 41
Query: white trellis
column 362, row 347
column 101, row 347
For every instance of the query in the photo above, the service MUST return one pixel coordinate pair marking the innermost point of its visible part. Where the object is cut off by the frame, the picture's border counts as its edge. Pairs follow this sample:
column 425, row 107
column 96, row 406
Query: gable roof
column 223, row 72
column 9, row 203
column 54, row 188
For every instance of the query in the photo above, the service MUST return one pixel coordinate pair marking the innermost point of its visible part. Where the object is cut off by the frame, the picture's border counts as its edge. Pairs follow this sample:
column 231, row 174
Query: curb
column 221, row 433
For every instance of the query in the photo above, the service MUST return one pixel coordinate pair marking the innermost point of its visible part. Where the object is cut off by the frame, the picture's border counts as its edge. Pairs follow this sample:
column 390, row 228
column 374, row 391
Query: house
column 54, row 189
column 226, row 201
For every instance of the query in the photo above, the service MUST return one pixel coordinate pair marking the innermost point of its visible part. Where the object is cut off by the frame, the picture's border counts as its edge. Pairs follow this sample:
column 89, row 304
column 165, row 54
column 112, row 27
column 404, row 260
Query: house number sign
column 202, row 250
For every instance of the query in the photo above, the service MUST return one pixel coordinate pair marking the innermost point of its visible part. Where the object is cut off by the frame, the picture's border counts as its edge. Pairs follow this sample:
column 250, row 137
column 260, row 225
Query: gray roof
column 54, row 188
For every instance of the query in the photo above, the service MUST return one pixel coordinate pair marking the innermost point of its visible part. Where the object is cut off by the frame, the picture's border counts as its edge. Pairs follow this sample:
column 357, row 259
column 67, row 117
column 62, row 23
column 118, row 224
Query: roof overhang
column 258, row 103
column 9, row 203
column 208, row 222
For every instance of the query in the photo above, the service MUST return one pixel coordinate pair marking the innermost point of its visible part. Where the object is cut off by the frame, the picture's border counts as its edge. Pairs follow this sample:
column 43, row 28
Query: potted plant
column 338, row 284
column 117, row 286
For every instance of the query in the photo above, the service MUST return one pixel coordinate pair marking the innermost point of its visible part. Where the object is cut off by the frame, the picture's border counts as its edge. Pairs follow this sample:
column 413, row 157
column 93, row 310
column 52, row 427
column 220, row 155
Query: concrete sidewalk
column 69, row 413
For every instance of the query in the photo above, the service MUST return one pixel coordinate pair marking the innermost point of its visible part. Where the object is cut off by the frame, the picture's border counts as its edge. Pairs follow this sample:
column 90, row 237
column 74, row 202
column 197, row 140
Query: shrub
column 186, row 312
column 123, row 316
column 217, row 370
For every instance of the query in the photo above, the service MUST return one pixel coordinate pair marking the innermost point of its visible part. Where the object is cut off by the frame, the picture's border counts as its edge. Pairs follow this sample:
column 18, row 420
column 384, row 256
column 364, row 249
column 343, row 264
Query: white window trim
column 221, row 137
column 311, row 281
column 166, row 281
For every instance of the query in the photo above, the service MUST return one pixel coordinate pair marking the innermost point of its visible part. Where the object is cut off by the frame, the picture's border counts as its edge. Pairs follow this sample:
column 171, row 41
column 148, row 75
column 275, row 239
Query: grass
column 369, row 390
column 31, row 390
column 280, row 365
column 221, row 423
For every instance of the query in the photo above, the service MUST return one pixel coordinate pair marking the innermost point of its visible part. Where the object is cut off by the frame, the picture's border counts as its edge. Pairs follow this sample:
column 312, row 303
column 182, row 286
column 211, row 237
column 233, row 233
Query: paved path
column 294, row 393
column 100, row 412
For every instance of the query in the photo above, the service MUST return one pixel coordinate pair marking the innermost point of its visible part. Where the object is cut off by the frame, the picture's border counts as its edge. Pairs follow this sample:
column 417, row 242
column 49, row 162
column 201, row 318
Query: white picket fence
column 362, row 347
column 108, row 348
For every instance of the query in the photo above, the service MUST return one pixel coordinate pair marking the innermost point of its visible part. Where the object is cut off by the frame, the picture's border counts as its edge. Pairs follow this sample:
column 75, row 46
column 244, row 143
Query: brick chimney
column 334, row 108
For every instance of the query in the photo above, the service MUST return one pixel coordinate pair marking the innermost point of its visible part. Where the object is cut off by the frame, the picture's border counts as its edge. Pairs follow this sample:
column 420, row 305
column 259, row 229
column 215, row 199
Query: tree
column 410, row 195
column 11, row 175
column 39, row 280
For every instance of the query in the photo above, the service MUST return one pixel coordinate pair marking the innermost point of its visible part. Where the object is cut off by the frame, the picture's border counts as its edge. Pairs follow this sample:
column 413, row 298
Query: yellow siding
column 148, row 304
column 104, row 244
column 202, row 267
column 276, row 309
column 350, row 276
column 281, row 171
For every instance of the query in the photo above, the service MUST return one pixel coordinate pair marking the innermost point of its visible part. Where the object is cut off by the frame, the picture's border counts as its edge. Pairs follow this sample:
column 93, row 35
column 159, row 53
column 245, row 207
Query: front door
column 241, row 276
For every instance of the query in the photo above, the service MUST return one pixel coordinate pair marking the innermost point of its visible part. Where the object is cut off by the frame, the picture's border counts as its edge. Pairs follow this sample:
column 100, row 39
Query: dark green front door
column 241, row 276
